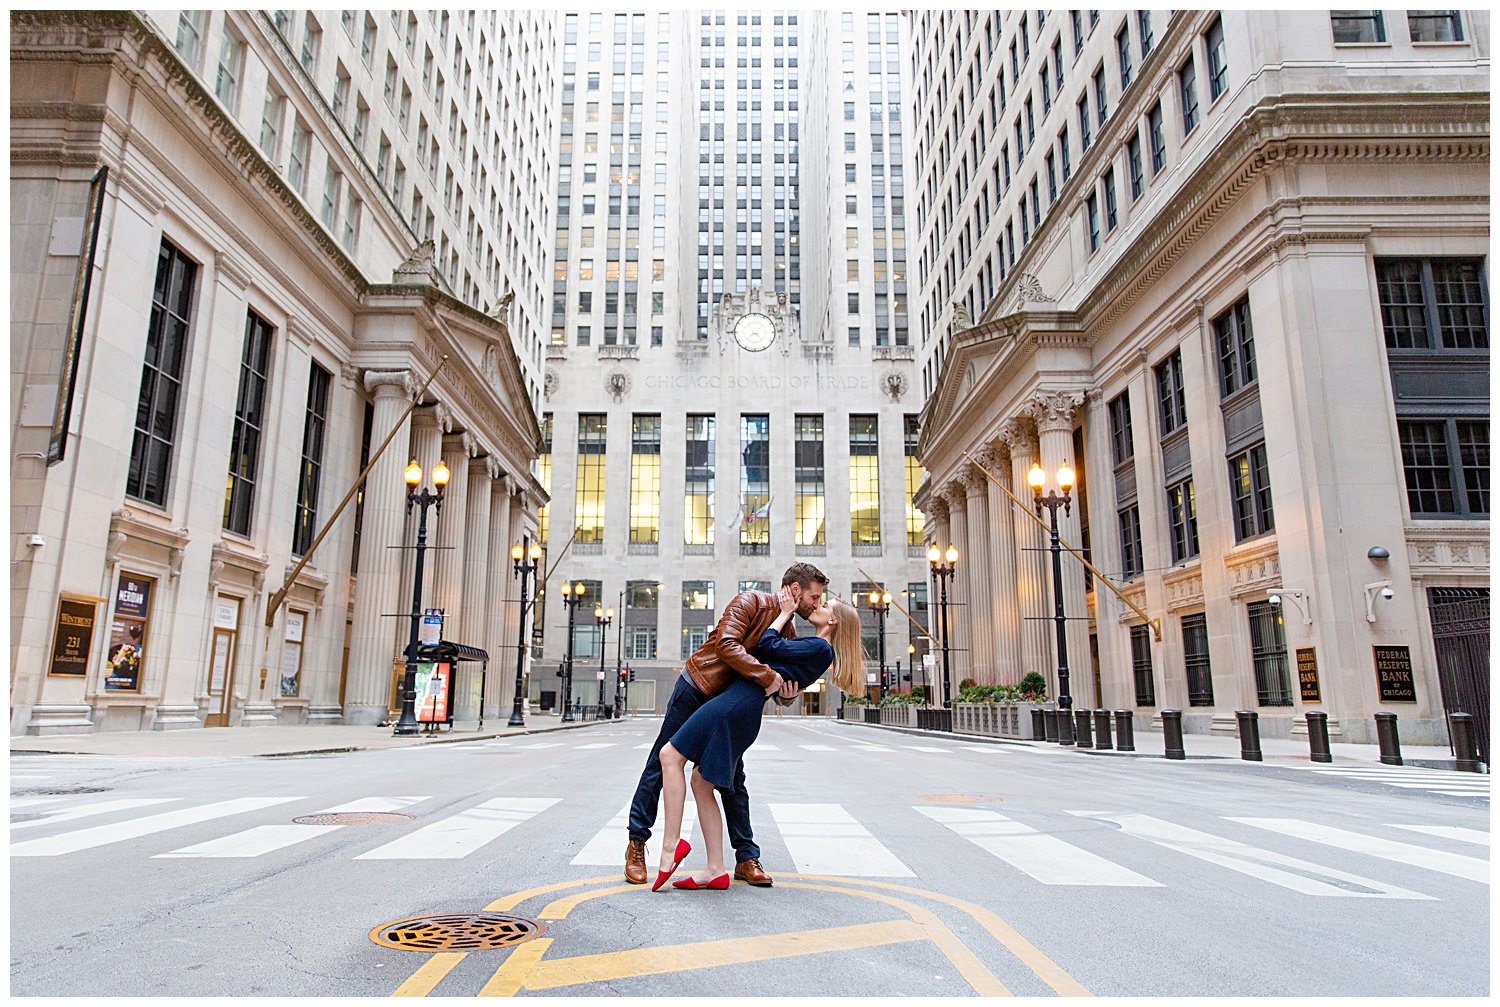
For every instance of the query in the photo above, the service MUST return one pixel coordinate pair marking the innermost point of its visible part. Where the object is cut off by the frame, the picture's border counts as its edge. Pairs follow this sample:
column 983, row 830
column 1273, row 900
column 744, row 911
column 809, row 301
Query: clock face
column 755, row 332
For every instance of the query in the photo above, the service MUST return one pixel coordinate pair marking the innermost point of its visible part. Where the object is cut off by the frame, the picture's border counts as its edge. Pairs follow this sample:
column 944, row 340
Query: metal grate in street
column 457, row 932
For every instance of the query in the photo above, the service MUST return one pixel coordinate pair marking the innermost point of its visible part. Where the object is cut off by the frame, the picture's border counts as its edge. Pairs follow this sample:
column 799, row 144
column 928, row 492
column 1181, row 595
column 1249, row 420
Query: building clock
column 755, row 331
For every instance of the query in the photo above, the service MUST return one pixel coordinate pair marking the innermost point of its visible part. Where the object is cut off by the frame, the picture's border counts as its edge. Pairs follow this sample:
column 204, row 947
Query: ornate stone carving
column 349, row 373
column 994, row 456
column 1053, row 411
column 1253, row 568
column 501, row 309
column 894, row 384
column 419, row 267
column 1184, row 588
column 974, row 480
column 232, row 272
column 1028, row 288
column 390, row 383
column 617, row 383
column 492, row 466
column 961, row 319
column 549, row 384
column 1018, row 437
column 444, row 416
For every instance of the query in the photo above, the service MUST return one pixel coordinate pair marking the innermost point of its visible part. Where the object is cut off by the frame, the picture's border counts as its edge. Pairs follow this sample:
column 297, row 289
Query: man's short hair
column 803, row 574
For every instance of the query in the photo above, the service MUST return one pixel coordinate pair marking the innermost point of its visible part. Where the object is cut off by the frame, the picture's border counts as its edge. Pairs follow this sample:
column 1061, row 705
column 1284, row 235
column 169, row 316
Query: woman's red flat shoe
column 683, row 849
column 719, row 884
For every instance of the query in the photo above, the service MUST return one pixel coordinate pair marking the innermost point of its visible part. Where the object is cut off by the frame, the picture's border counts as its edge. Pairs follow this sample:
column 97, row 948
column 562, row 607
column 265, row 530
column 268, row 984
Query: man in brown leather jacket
column 708, row 672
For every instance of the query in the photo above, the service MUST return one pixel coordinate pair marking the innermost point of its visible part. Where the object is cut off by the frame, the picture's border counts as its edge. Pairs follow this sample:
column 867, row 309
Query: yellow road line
column 958, row 953
column 513, row 972
column 1045, row 968
column 560, row 908
column 544, row 975
column 509, row 902
column 425, row 978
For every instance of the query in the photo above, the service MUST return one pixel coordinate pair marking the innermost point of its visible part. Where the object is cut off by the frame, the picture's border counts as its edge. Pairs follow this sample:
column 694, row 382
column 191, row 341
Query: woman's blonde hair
column 848, row 652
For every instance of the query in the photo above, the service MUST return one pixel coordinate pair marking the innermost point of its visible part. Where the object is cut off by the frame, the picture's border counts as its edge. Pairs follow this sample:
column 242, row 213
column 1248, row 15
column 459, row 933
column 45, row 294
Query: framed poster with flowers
column 127, row 633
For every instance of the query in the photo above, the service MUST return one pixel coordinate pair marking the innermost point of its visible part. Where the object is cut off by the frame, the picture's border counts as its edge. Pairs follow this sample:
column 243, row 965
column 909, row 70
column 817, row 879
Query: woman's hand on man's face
column 788, row 599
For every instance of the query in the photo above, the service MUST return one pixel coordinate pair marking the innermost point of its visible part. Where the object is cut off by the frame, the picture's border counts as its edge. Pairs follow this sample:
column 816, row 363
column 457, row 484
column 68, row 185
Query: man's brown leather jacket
column 726, row 652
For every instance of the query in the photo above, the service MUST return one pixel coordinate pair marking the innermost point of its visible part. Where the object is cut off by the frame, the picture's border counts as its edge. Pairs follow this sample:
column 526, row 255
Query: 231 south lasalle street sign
column 1393, row 674
column 73, row 636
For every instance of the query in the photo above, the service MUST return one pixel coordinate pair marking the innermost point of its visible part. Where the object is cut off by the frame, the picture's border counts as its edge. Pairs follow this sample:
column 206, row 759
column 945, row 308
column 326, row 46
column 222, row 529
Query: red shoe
column 719, row 884
column 683, row 849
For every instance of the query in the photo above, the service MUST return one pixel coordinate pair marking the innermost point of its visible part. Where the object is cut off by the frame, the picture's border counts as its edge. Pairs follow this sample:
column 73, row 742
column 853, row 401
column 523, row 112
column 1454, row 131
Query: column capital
column 994, row 455
column 955, row 492
column 937, row 507
column 444, row 416
column 492, row 466
column 1018, row 437
column 389, row 383
column 1052, row 411
column 460, row 444
column 974, row 481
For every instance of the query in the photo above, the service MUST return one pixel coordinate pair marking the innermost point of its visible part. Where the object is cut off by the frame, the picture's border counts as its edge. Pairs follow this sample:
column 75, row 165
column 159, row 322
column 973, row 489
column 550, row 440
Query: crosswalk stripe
column 542, row 744
column 818, row 748
column 1430, row 786
column 607, row 848
column 31, row 802
column 1045, row 858
column 461, row 834
column 871, row 748
column 1455, row 864
column 643, row 748
column 88, row 811
column 930, row 748
column 103, row 835
column 1462, row 793
column 825, row 839
column 1298, row 875
column 1449, row 832
column 268, row 838
column 597, row 744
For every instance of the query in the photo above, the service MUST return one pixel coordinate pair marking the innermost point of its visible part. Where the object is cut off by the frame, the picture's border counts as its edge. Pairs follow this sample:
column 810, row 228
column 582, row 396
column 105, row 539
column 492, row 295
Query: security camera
column 1275, row 599
column 1387, row 594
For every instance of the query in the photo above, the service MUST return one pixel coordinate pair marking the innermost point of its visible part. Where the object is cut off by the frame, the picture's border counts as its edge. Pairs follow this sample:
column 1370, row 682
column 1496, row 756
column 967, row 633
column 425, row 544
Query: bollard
column 1249, row 735
column 1085, row 729
column 1065, row 726
column 1390, row 740
column 1038, row 723
column 1171, row 729
column 1317, row 736
column 1463, row 743
column 1101, row 725
column 1050, row 724
column 1125, row 730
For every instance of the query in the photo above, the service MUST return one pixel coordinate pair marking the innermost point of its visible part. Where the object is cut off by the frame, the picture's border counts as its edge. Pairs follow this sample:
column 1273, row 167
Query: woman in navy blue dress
column 716, row 736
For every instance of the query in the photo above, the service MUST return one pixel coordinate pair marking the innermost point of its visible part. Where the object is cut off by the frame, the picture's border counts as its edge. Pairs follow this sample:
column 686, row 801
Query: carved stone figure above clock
column 755, row 321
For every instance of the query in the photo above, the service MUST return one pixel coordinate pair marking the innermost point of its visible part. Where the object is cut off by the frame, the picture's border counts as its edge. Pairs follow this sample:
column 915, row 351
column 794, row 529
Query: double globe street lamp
column 943, row 564
column 523, row 564
column 420, row 499
column 602, row 618
column 1052, row 501
column 572, row 597
column 881, row 603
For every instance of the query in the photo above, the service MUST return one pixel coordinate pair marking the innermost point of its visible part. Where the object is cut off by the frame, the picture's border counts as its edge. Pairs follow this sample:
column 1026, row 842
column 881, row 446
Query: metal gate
column 1461, row 635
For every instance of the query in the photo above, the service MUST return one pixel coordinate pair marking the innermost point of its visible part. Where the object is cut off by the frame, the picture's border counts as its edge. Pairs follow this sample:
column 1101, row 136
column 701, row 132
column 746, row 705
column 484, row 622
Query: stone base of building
column 365, row 716
column 258, row 715
column 325, row 714
column 51, row 720
column 1225, row 723
column 1335, row 729
column 176, row 718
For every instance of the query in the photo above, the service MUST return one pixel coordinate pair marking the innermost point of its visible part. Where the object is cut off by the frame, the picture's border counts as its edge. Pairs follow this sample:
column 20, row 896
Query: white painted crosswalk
column 1403, row 853
column 825, row 839
column 607, row 847
column 117, row 832
column 1433, row 781
column 1045, row 858
column 267, row 838
column 462, row 833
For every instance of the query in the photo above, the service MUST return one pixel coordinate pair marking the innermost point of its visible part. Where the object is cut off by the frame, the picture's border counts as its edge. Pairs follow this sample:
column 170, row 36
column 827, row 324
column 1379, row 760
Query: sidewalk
column 1216, row 747
column 270, row 741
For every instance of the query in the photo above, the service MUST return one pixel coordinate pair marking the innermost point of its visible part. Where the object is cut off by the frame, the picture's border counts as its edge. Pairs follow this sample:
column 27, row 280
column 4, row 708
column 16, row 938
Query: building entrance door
column 1461, row 636
column 221, row 662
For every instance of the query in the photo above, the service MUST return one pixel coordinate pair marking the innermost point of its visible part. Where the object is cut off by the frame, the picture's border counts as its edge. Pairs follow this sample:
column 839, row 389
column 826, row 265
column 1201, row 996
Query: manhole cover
column 355, row 818
column 958, row 798
column 457, row 932
column 60, row 791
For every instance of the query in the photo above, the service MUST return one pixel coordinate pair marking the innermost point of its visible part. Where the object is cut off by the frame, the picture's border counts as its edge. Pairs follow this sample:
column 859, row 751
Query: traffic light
column 632, row 673
column 624, row 672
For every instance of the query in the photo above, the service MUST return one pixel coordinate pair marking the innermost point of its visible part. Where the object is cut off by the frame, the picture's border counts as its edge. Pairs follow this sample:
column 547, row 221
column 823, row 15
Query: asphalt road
column 905, row 866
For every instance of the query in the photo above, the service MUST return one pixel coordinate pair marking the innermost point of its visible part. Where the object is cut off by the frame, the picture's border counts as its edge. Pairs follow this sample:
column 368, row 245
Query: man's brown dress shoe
column 635, row 862
column 751, row 871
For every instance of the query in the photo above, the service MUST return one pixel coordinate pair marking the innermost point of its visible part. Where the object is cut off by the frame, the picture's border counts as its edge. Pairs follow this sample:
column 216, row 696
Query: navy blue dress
column 716, row 735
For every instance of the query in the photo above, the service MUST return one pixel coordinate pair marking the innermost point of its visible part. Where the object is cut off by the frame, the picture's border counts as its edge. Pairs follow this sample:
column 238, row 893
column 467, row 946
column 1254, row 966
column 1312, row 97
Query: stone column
column 937, row 533
column 960, row 622
column 474, row 558
column 1053, row 413
column 1005, row 613
column 1031, row 595
column 371, row 647
column 496, row 609
column 980, row 582
column 452, row 539
column 426, row 448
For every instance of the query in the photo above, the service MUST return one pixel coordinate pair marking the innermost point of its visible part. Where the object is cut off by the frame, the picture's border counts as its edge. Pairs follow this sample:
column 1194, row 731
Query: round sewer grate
column 354, row 818
column 457, row 932
column 58, row 791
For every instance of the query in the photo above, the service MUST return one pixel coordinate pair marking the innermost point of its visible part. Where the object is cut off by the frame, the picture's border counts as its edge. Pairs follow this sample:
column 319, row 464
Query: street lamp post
column 523, row 564
column 911, row 664
column 422, row 500
column 1037, row 478
column 943, row 564
column 572, row 597
column 619, row 649
column 881, row 603
column 602, row 618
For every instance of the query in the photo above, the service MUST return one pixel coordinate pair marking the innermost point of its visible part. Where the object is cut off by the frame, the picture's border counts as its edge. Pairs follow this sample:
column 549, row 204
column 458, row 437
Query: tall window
column 544, row 476
column 1200, row 683
column 587, row 634
column 811, row 505
column 1143, row 28
column 1092, row 208
column 1268, row 653
column 1250, row 493
column 161, row 377
column 310, row 476
column 189, row 35
column 1170, row 396
column 1433, row 304
column 642, row 601
column 1236, row 348
column 864, row 479
column 645, row 478
column 249, row 416
column 917, row 635
column 1111, row 207
column 1121, row 436
column 698, row 517
column 270, row 122
column 755, row 485
column 1364, row 26
column 1182, row 514
column 1084, row 128
column 1140, row 665
column 1158, row 139
column 1122, row 53
column 697, row 614
column 1218, row 62
column 1101, row 96
column 1447, row 466
column 1130, row 542
column 588, row 522
column 1187, row 92
column 915, row 520
column 1434, row 25
column 1133, row 160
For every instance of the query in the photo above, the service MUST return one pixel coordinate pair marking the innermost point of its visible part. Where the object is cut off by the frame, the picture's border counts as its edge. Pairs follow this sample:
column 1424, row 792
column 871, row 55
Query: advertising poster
column 291, row 655
column 73, row 636
column 127, row 633
column 432, row 692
